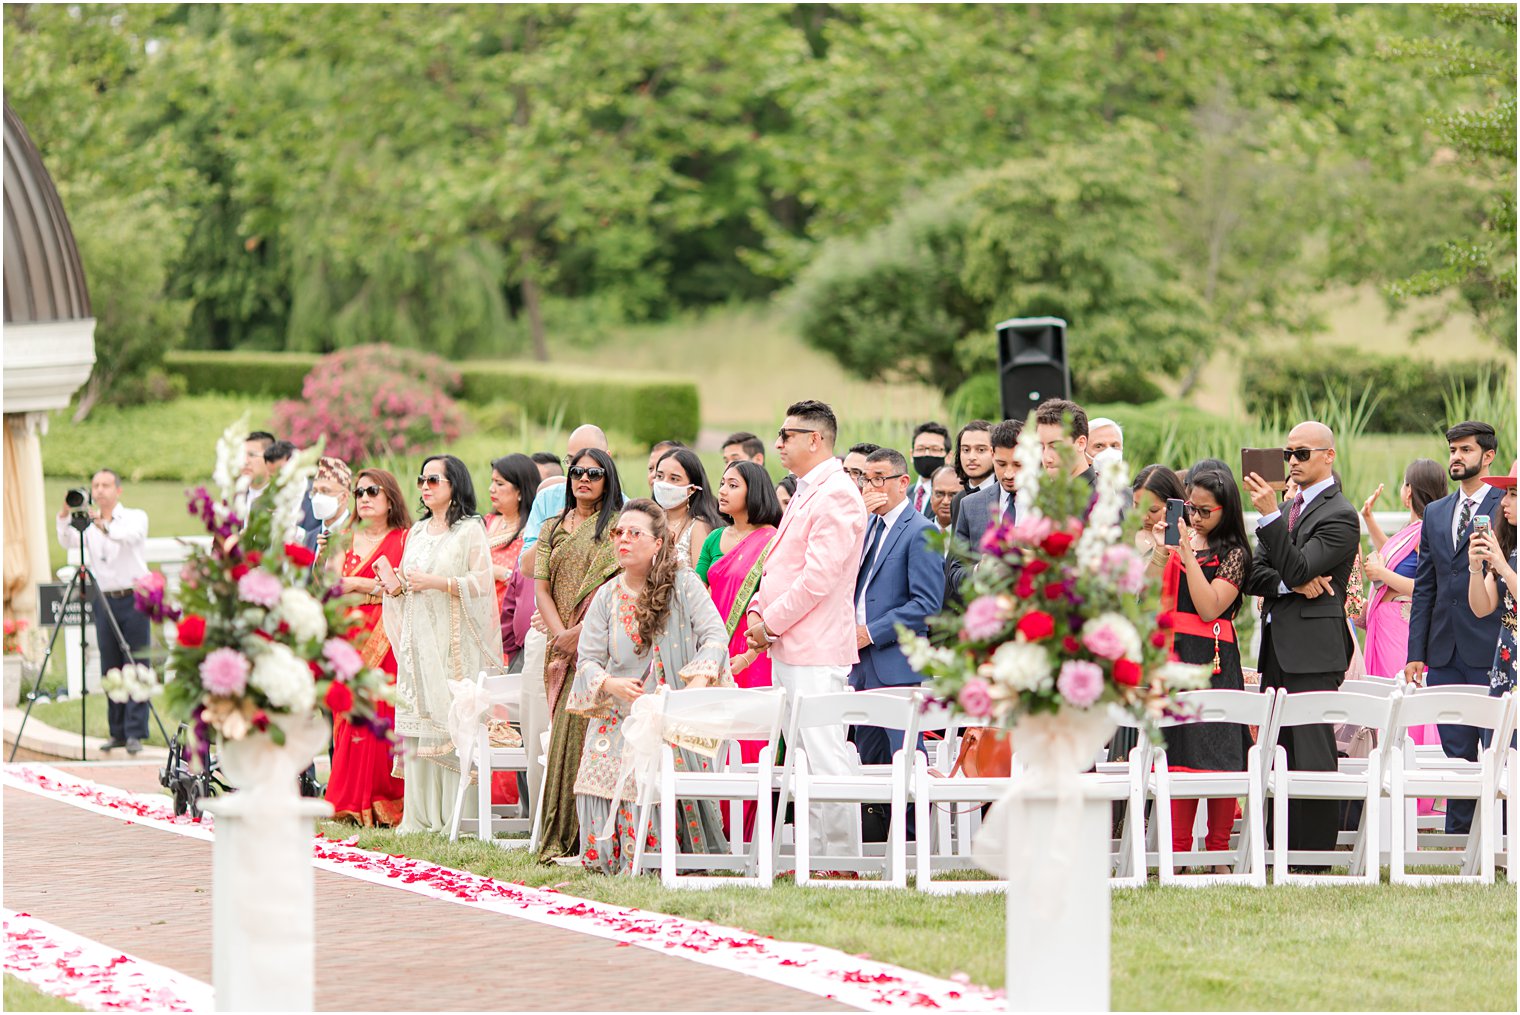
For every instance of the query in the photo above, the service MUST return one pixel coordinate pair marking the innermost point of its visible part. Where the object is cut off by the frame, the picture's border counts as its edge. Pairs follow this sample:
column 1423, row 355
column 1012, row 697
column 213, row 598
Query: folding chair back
column 1313, row 707
column 748, row 713
column 1451, row 707
column 1381, row 687
column 849, row 708
column 1248, row 708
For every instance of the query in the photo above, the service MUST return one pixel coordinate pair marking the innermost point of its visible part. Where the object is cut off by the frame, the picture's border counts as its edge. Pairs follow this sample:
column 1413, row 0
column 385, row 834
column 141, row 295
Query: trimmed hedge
column 1412, row 390
column 648, row 407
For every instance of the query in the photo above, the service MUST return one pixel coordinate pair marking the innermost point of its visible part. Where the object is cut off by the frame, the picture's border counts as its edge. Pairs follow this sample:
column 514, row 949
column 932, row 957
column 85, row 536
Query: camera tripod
column 82, row 581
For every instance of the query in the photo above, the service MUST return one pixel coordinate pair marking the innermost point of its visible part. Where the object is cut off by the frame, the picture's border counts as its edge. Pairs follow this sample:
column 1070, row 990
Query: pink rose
column 1033, row 531
column 344, row 660
column 975, row 698
column 1080, row 682
column 225, row 672
column 260, row 588
column 985, row 619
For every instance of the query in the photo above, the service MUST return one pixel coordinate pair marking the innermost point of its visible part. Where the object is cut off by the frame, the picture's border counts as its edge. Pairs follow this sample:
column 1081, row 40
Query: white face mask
column 323, row 506
column 669, row 495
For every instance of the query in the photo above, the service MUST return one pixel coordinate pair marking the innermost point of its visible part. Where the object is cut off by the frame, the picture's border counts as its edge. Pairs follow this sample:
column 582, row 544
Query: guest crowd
column 599, row 597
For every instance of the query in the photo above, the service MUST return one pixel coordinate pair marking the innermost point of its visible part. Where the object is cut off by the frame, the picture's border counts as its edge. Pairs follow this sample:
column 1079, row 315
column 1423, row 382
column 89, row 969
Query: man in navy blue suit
column 901, row 581
column 1444, row 636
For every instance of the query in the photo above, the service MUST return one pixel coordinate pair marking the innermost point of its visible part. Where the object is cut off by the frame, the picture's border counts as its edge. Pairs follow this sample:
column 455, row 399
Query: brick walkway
column 147, row 892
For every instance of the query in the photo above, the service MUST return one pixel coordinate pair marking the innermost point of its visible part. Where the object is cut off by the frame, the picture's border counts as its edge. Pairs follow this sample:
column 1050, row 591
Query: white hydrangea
column 284, row 679
column 303, row 613
column 1023, row 666
column 1177, row 676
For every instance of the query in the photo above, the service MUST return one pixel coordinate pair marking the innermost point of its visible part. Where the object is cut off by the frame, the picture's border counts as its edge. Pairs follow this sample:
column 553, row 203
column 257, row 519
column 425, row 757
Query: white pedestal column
column 263, row 955
column 1058, row 916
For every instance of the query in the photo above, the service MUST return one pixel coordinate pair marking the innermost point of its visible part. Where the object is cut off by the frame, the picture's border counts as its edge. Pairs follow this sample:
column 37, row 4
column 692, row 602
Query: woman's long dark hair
column 1231, row 530
column 1504, row 532
column 1161, row 481
column 396, row 514
column 462, row 489
column 700, row 503
column 652, row 610
column 522, row 472
column 1427, row 483
column 761, row 505
column 612, row 494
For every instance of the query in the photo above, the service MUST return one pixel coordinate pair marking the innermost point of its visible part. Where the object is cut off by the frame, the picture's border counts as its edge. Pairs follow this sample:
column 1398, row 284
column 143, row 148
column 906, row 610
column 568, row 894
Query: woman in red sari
column 730, row 563
column 361, row 788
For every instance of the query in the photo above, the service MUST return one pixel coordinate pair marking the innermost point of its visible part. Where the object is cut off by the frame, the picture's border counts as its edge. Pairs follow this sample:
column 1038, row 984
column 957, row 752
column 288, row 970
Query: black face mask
column 925, row 465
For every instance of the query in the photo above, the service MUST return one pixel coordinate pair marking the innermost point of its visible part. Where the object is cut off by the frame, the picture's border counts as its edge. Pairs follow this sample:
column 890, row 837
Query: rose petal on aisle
column 92, row 975
column 824, row 972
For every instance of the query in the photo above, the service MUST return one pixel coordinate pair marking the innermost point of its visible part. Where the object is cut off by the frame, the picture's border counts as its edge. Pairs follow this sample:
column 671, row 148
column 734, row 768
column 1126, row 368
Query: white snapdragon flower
column 228, row 473
column 1030, row 456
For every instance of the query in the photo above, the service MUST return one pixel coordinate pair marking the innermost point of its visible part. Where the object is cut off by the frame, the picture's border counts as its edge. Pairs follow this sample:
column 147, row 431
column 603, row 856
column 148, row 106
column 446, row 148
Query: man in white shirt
column 115, row 550
column 257, row 471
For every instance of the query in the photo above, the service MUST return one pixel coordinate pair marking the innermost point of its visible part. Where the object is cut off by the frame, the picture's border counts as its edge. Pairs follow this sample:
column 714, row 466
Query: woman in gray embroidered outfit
column 652, row 626
column 441, row 617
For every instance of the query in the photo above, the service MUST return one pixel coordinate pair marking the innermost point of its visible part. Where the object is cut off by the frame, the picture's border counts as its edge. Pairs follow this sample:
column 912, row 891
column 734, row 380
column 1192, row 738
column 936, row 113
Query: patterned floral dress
column 693, row 643
column 1501, row 677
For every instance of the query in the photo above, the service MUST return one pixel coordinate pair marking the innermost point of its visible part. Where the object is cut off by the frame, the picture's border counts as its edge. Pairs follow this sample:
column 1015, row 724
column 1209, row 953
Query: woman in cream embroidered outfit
column 652, row 626
column 440, row 616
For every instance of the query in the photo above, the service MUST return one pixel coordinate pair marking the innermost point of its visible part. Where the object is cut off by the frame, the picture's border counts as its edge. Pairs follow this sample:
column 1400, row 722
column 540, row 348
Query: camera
column 78, row 501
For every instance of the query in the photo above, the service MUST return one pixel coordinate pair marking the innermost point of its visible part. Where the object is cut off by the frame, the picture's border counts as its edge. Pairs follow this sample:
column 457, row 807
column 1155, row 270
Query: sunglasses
column 622, row 533
column 1302, row 454
column 785, row 433
column 1202, row 512
column 367, row 491
column 430, row 481
column 582, row 472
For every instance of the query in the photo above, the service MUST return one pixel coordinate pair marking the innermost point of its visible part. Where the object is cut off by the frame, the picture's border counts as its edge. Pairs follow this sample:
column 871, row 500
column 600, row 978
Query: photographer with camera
column 115, row 550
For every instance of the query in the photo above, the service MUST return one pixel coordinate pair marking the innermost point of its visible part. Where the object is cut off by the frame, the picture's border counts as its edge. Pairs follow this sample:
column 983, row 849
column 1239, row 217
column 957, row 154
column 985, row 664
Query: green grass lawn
column 22, row 996
column 1384, row 948
column 64, row 715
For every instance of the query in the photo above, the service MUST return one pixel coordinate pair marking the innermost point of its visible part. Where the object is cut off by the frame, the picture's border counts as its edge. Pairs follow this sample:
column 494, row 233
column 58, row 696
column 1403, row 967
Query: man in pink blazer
column 804, row 609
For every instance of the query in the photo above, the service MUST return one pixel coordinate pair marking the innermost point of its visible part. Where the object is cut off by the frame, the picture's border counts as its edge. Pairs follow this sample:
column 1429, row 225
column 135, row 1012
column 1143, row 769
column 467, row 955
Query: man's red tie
column 1298, row 506
column 918, row 499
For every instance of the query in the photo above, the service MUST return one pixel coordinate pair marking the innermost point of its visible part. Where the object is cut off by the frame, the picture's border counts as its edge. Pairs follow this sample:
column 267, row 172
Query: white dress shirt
column 888, row 520
column 1309, row 493
column 803, row 482
column 119, row 555
column 1456, row 512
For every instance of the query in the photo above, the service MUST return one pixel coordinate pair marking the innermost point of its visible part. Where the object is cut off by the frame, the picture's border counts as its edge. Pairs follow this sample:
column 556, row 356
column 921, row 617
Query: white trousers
column 535, row 708
column 835, row 827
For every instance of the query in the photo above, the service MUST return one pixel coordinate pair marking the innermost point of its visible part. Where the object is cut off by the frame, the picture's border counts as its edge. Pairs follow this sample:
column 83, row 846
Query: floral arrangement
column 374, row 401
column 260, row 635
column 18, row 638
column 1055, row 617
column 133, row 682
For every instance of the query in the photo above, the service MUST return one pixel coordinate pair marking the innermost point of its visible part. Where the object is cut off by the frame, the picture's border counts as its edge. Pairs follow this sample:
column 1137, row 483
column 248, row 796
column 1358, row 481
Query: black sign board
column 50, row 596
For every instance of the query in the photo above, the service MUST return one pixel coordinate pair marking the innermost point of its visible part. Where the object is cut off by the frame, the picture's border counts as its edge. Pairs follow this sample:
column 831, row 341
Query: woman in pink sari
column 1390, row 572
column 730, row 563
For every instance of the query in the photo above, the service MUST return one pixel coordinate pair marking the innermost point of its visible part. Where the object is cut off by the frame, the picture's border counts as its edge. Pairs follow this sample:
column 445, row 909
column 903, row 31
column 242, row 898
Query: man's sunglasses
column 582, row 472
column 367, row 491
column 430, row 481
column 1302, row 454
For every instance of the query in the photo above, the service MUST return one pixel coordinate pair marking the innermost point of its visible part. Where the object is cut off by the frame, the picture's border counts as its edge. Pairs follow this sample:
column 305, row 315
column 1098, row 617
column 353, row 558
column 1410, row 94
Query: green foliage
column 1413, row 392
column 22, row 996
column 159, row 440
column 263, row 373
column 648, row 408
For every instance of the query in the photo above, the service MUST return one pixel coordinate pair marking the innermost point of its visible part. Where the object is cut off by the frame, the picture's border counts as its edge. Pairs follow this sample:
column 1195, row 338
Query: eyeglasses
column 1302, row 454
column 367, row 491
column 1202, row 512
column 433, row 480
column 625, row 533
column 917, row 452
column 857, row 476
column 592, row 473
column 881, row 481
column 785, row 433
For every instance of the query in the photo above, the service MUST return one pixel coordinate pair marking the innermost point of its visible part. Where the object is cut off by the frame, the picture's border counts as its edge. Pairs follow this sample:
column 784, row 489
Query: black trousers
column 127, row 720
column 1312, row 824
column 1459, row 741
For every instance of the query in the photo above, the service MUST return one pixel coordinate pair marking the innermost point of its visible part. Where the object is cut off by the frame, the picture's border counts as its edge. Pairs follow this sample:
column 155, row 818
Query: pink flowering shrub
column 374, row 400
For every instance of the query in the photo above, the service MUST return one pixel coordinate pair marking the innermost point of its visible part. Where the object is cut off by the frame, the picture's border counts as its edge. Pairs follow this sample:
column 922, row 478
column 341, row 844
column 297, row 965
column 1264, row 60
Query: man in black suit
column 987, row 506
column 1444, row 635
column 1305, row 551
column 931, row 452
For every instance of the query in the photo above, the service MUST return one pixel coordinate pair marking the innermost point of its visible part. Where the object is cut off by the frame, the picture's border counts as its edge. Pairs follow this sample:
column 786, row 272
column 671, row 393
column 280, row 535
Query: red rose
column 1070, row 645
column 1036, row 567
column 1036, row 625
column 1054, row 590
column 316, row 669
column 192, row 631
column 1158, row 638
column 1127, row 672
column 1057, row 543
column 254, row 558
column 339, row 698
column 1025, row 588
column 299, row 555
column 1164, row 620
column 238, row 570
column 260, row 720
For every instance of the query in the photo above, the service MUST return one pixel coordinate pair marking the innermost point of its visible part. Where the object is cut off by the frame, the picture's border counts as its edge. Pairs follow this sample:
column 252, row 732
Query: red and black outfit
column 1205, row 747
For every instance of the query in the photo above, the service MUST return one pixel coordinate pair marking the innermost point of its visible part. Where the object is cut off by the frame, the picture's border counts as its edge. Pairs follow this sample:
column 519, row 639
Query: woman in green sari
column 652, row 626
column 575, row 557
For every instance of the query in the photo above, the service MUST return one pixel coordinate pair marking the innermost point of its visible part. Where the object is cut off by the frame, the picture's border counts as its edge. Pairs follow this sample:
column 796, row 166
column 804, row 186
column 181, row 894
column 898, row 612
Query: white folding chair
column 1249, row 708
column 543, row 774
column 1499, row 758
column 1354, row 779
column 947, row 811
column 1414, row 775
column 752, row 714
column 1381, row 687
column 864, row 784
column 505, row 694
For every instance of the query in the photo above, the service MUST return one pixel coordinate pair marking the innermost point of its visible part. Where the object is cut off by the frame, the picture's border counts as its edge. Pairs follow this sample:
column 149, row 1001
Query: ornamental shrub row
column 647, row 407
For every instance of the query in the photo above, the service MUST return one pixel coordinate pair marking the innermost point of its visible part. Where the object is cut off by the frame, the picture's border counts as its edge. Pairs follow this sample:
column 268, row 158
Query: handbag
column 985, row 753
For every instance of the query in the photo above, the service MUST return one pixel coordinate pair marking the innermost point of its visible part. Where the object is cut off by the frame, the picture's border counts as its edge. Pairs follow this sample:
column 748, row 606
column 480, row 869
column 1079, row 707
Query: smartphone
column 1265, row 462
column 1173, row 517
column 1480, row 523
column 387, row 573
